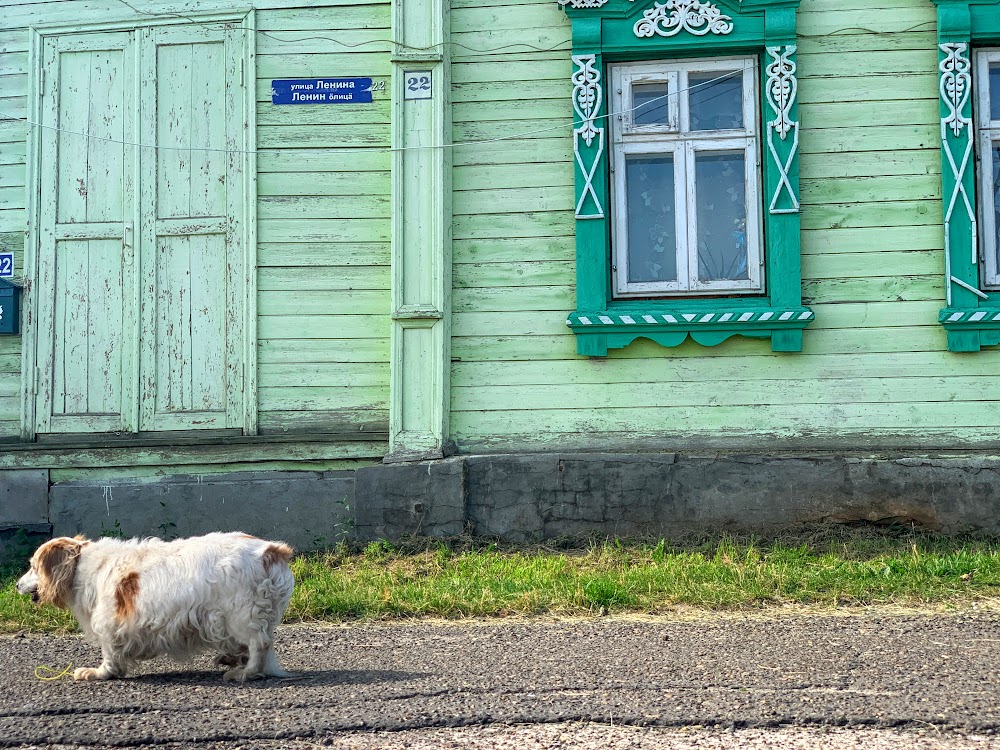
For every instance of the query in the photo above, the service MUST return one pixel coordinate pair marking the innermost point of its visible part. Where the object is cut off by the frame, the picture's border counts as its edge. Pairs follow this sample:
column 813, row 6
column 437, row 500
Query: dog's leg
column 110, row 668
column 255, row 660
column 271, row 666
column 262, row 662
column 231, row 658
column 272, row 598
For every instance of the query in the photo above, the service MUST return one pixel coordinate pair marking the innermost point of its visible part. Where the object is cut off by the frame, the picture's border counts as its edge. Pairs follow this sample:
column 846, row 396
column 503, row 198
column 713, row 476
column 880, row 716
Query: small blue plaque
column 6, row 265
column 322, row 91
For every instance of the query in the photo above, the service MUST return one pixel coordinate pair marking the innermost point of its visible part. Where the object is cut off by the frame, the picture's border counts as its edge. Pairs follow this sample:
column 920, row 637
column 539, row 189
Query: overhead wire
column 341, row 43
column 845, row 31
column 458, row 144
column 377, row 149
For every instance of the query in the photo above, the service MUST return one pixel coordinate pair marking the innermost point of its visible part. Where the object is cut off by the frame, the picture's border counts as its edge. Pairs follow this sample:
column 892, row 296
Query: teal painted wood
column 293, row 160
column 871, row 267
column 192, row 329
column 871, row 245
column 969, row 315
column 144, row 330
column 611, row 34
column 85, row 343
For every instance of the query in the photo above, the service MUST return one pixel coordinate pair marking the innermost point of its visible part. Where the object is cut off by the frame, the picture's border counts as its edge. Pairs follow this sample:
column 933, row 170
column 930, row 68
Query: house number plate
column 417, row 84
column 6, row 265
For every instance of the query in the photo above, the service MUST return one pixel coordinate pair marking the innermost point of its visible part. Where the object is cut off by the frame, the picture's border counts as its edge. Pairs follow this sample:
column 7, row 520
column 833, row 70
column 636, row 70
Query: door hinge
column 41, row 83
column 242, row 68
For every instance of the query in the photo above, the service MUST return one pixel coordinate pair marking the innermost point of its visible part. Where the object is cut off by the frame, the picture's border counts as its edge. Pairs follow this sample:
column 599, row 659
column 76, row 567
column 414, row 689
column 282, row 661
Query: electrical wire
column 270, row 35
column 514, row 137
column 846, row 31
column 379, row 149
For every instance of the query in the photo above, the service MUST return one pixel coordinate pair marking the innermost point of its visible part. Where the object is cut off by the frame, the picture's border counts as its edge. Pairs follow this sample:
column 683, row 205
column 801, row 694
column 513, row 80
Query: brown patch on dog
column 55, row 562
column 276, row 553
column 126, row 593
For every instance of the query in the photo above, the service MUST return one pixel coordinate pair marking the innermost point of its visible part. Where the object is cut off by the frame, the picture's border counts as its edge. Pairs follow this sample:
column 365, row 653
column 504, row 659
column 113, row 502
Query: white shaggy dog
column 138, row 599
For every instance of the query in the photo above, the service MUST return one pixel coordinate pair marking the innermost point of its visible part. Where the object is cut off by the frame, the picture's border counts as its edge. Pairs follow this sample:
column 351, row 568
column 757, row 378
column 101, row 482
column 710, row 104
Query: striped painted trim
column 970, row 316
column 642, row 320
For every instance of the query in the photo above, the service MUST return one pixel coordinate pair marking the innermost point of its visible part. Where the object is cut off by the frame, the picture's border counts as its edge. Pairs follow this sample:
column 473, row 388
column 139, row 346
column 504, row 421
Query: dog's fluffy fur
column 138, row 599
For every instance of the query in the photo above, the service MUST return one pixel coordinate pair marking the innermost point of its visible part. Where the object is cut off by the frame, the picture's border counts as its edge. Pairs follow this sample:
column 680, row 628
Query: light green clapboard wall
column 323, row 208
column 874, row 372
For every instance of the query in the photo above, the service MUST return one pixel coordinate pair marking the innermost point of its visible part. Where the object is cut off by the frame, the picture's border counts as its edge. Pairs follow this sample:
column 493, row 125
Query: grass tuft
column 470, row 577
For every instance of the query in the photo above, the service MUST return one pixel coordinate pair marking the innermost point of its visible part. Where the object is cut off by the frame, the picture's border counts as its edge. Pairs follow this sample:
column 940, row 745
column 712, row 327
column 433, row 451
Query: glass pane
column 716, row 103
column 651, row 102
column 995, row 91
column 720, row 185
column 996, row 202
column 652, row 234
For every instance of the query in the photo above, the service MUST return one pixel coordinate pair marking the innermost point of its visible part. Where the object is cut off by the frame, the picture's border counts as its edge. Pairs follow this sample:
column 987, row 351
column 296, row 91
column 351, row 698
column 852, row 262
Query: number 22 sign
column 417, row 84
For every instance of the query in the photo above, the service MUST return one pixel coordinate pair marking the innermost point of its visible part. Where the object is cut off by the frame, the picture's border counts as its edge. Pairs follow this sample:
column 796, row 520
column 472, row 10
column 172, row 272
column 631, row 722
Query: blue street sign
column 322, row 91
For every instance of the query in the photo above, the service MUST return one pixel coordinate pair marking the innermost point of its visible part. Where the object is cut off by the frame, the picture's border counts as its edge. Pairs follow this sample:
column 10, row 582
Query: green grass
column 471, row 578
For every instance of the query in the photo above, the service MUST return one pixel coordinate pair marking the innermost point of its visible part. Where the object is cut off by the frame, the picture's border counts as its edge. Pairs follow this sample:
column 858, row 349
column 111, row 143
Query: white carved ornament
column 587, row 99
column 674, row 16
column 956, row 88
column 582, row 3
column 781, row 90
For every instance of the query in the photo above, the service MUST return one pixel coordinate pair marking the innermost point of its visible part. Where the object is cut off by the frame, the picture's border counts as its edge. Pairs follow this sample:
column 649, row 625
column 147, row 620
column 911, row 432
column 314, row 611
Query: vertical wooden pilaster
column 421, row 231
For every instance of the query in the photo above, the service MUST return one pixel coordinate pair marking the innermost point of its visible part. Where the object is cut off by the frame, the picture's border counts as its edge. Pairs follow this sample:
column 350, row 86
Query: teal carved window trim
column 606, row 32
column 971, row 316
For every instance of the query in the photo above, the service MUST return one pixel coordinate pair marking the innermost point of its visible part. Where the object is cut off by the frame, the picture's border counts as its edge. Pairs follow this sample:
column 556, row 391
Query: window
column 969, row 86
column 685, row 178
column 685, row 144
column 988, row 129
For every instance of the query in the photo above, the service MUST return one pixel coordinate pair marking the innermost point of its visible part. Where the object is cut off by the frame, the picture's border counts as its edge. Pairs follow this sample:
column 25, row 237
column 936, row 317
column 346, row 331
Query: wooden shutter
column 86, row 272
column 192, row 214
column 143, row 286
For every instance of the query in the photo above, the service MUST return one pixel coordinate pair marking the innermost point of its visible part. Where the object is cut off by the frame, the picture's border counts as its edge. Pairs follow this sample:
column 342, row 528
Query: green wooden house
column 297, row 241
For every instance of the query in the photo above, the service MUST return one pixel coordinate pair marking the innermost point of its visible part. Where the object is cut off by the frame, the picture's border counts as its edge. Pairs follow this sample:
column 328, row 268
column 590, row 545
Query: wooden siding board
column 824, row 354
column 775, row 391
column 823, row 438
column 620, row 374
column 293, row 352
column 737, row 422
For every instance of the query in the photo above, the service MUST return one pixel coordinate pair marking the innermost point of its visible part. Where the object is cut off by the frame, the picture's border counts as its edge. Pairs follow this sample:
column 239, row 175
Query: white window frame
column 677, row 138
column 987, row 135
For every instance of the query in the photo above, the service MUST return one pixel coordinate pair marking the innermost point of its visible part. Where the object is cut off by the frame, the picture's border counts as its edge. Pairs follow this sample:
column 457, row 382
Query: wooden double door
column 142, row 270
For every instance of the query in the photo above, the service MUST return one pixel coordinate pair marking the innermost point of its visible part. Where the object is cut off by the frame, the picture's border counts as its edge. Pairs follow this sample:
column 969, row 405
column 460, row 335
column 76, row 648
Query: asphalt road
column 927, row 680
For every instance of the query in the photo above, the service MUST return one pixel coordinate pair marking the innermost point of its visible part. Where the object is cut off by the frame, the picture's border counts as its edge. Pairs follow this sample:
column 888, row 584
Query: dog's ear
column 56, row 569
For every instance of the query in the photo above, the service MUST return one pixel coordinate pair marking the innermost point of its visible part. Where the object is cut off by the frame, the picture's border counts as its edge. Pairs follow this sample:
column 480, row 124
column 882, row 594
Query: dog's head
column 53, row 567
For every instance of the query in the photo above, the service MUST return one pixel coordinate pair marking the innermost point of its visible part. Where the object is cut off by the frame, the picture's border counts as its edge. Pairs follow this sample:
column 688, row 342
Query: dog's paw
column 88, row 673
column 236, row 674
column 240, row 674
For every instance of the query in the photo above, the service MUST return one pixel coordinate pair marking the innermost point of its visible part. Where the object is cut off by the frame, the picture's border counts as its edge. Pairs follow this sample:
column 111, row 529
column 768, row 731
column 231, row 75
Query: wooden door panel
column 87, row 373
column 191, row 373
column 191, row 89
column 86, row 352
column 189, row 324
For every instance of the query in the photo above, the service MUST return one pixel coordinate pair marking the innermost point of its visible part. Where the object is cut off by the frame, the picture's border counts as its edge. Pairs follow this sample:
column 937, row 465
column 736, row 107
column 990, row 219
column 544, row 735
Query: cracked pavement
column 864, row 678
